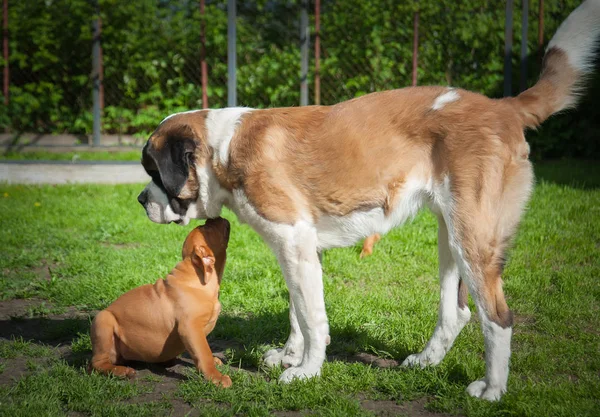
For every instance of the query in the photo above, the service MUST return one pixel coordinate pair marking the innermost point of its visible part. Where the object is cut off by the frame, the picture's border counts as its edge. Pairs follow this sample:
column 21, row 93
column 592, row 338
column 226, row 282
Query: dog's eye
column 189, row 158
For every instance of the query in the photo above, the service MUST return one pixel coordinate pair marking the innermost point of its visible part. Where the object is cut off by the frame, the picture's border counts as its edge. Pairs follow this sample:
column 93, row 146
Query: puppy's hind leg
column 104, row 349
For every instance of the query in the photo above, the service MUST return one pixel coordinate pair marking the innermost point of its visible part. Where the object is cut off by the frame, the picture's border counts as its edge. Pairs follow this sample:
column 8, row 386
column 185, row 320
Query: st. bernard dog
column 313, row 178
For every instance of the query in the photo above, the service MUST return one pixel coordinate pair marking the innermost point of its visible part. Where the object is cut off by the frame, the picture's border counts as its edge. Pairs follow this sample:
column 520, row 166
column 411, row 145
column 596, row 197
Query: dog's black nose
column 143, row 198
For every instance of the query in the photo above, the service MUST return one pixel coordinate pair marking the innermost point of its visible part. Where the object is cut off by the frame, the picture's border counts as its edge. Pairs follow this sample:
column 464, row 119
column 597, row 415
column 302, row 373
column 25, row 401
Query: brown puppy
column 156, row 322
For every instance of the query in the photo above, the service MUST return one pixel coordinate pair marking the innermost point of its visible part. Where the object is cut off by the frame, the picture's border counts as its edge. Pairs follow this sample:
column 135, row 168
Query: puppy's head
column 171, row 157
column 206, row 248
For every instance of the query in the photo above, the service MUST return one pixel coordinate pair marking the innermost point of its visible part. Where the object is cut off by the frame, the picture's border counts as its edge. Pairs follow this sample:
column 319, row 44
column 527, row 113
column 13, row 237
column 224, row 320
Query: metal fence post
column 524, row 21
column 5, row 48
column 98, row 93
column 203, row 67
column 317, row 52
column 415, row 49
column 508, row 40
column 304, row 40
column 541, row 30
column 231, row 55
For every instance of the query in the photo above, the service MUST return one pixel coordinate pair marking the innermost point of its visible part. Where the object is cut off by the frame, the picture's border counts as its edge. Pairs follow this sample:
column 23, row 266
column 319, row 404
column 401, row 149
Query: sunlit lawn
column 94, row 243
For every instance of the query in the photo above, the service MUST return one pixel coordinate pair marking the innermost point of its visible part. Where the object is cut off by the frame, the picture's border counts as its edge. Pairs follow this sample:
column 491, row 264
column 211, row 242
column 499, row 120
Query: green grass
column 83, row 155
column 95, row 243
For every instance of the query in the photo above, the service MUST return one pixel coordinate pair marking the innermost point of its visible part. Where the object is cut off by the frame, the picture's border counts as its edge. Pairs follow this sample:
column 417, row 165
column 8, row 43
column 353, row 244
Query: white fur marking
column 444, row 99
column 220, row 127
column 211, row 196
column 497, row 357
column 175, row 114
column 157, row 207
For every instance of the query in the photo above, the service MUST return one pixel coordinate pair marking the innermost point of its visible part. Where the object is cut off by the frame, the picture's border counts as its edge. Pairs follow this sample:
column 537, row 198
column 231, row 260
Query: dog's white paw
column 480, row 389
column 298, row 372
column 419, row 359
column 283, row 357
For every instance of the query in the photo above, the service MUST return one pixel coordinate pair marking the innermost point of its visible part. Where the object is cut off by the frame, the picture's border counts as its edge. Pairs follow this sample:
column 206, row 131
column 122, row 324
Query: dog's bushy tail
column 568, row 60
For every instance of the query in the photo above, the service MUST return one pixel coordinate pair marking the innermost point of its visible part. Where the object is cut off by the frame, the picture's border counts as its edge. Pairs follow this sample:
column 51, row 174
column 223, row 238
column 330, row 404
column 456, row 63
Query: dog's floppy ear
column 203, row 259
column 170, row 154
column 174, row 161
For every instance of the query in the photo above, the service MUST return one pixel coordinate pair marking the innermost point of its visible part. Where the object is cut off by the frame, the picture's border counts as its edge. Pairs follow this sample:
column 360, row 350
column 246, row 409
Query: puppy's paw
column 276, row 357
column 365, row 252
column 217, row 361
column 298, row 372
column 481, row 389
column 123, row 372
column 220, row 380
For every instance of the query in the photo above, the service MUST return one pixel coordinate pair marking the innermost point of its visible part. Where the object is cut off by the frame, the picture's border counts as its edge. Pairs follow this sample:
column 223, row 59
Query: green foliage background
column 151, row 52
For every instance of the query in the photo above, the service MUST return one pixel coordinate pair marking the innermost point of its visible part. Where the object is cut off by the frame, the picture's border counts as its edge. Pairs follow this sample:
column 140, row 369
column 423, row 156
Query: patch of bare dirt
column 14, row 369
column 414, row 408
column 181, row 408
column 17, row 308
column 366, row 358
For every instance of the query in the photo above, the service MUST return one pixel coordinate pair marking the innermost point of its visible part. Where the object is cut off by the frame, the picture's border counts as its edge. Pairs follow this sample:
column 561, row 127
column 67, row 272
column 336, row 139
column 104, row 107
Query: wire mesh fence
column 152, row 53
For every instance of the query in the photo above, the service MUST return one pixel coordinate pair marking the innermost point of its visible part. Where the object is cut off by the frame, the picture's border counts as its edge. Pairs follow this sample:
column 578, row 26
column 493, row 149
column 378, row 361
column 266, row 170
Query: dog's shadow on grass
column 258, row 332
column 238, row 340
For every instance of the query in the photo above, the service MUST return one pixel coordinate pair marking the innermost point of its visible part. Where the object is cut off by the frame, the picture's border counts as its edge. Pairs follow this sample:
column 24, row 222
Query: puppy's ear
column 203, row 259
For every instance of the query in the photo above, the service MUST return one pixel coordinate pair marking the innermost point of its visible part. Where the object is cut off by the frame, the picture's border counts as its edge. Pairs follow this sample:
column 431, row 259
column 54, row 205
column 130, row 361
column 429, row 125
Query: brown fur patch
column 321, row 160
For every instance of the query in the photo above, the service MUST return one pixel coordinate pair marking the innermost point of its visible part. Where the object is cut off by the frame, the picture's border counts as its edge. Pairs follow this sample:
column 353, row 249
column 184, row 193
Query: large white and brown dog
column 318, row 177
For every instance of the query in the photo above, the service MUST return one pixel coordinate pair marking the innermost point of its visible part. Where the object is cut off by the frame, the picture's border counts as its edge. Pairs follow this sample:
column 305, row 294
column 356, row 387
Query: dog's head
column 206, row 247
column 171, row 157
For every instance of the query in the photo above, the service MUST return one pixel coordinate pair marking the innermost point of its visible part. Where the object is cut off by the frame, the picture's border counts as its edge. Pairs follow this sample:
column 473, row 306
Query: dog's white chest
column 342, row 231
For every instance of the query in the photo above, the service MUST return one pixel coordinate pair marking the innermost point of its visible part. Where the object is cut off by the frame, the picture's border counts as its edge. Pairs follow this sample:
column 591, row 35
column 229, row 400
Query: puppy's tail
column 567, row 62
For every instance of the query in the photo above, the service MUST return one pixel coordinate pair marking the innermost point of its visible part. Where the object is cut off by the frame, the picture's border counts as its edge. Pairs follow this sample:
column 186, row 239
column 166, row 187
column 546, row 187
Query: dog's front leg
column 304, row 278
column 192, row 335
column 291, row 354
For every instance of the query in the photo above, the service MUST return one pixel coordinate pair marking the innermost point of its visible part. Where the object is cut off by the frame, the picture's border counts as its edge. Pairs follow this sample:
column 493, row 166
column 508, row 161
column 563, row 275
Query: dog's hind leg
column 104, row 350
column 482, row 265
column 453, row 310
column 485, row 232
